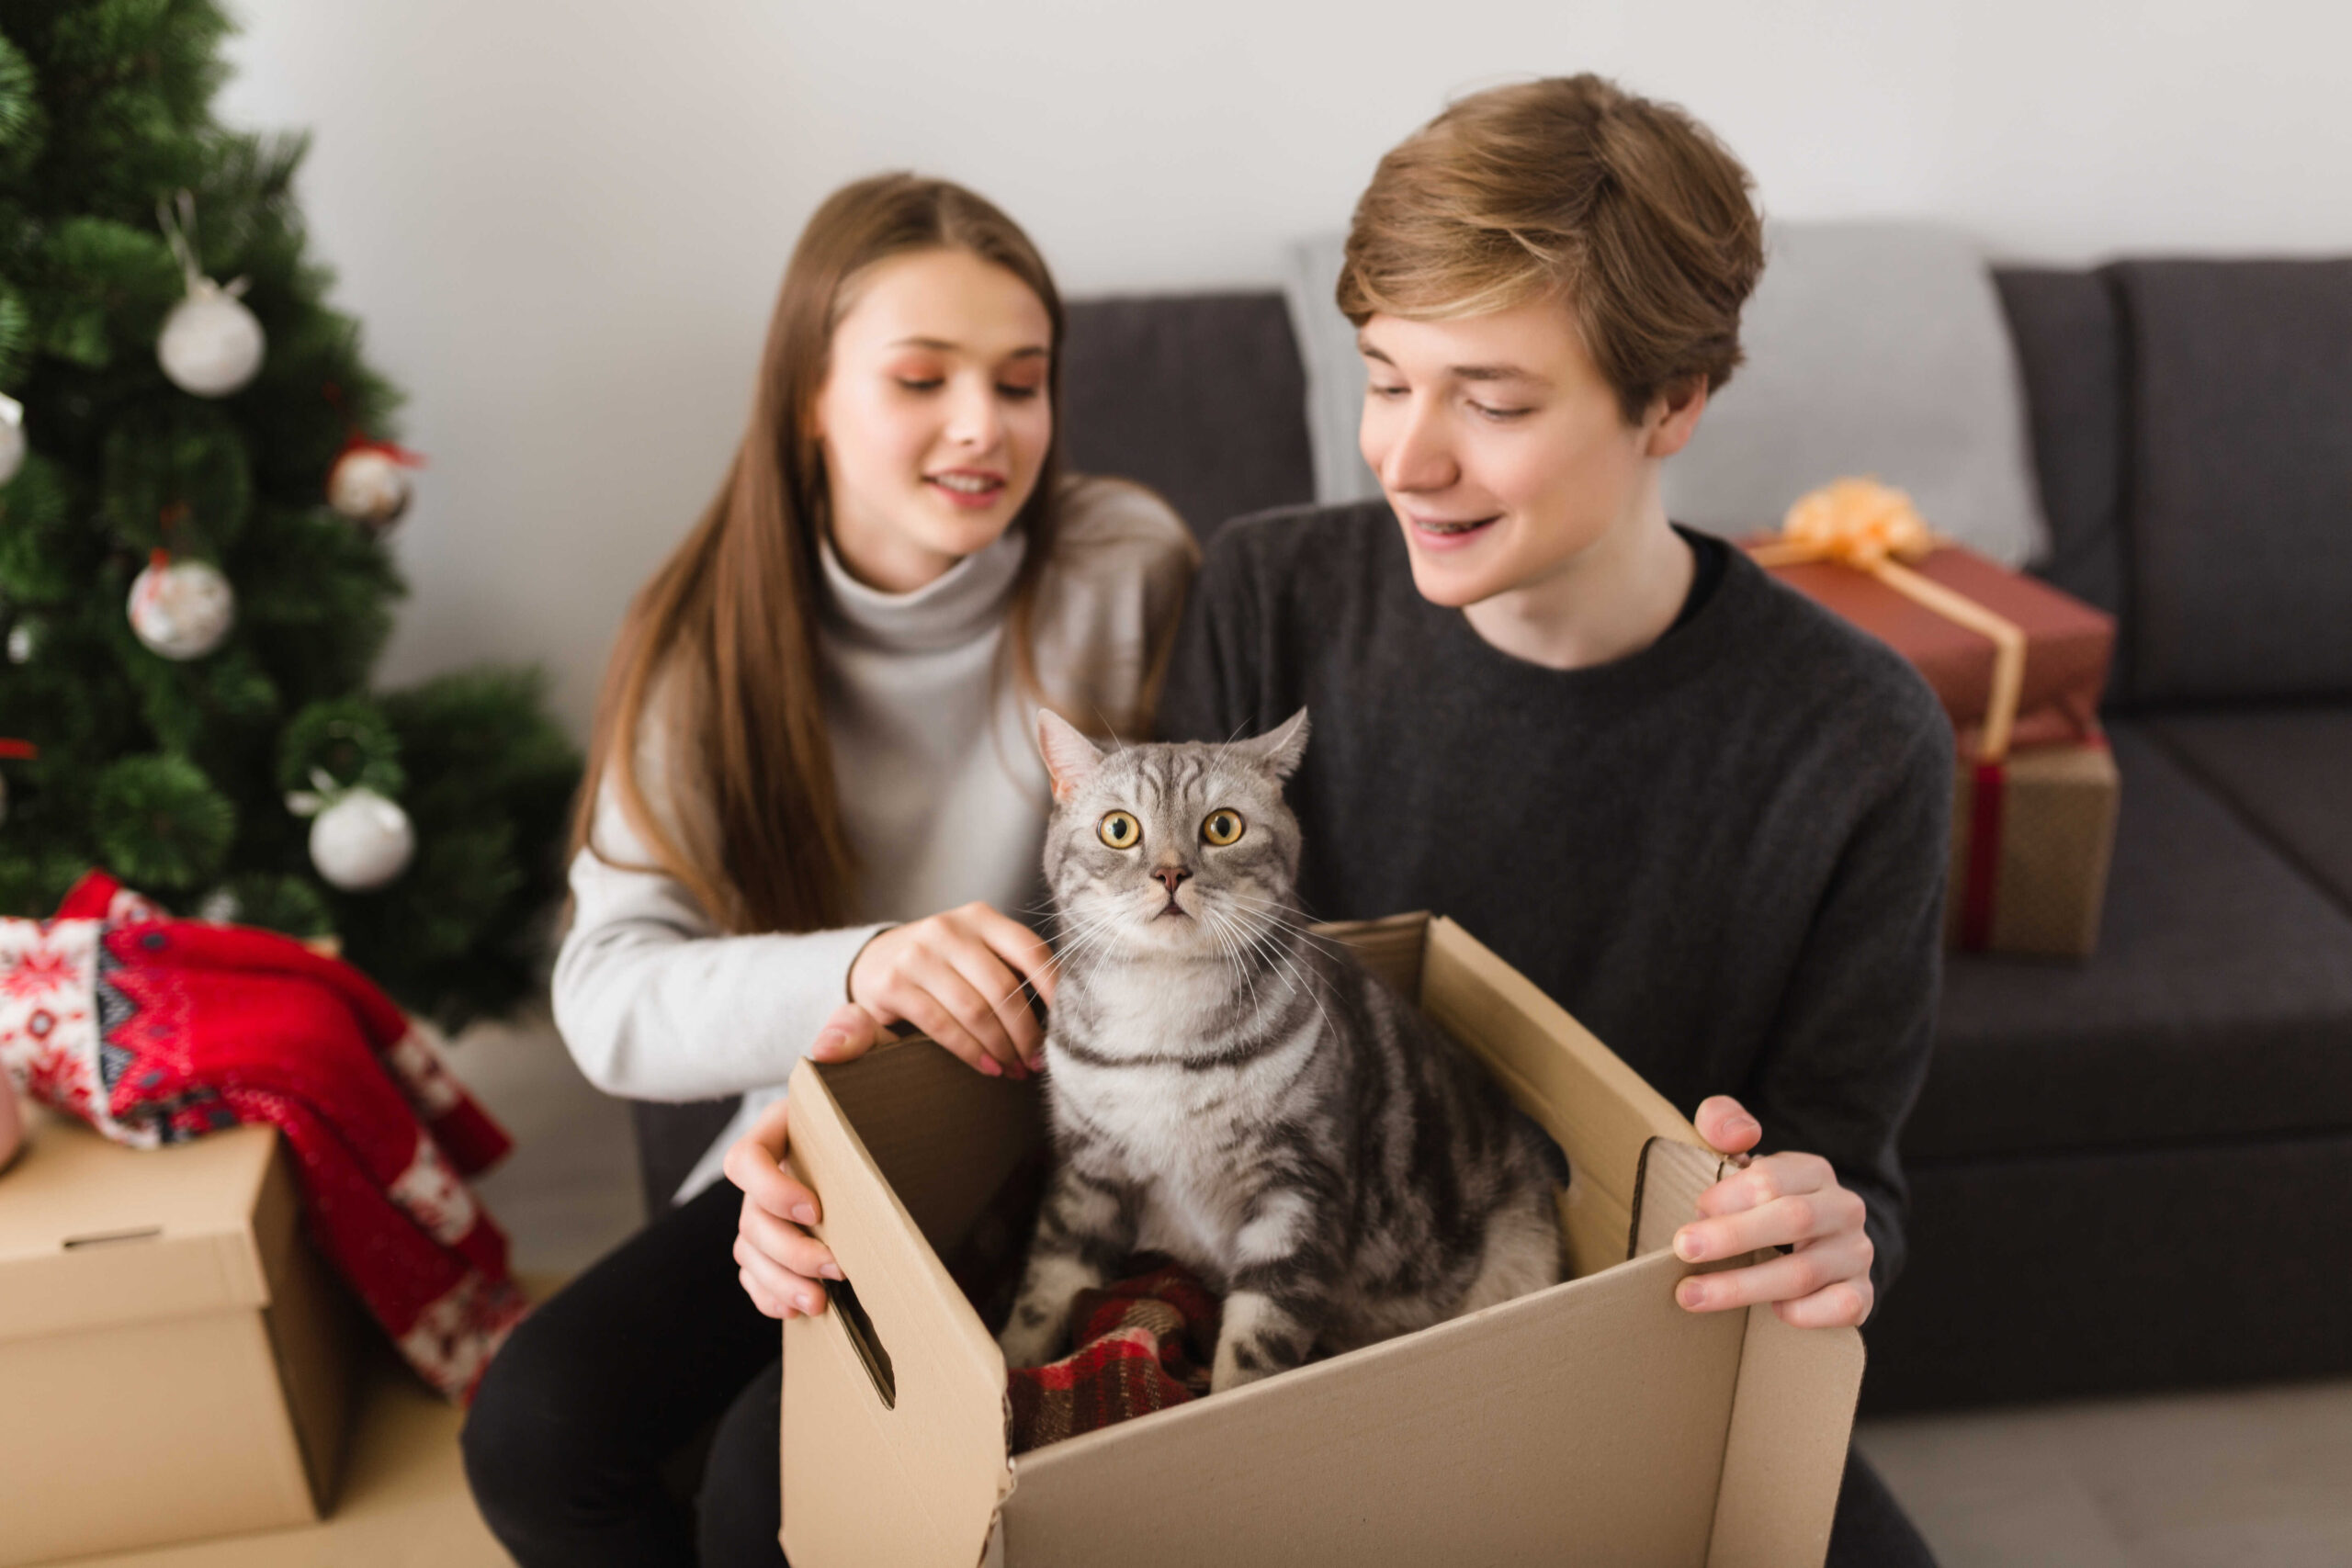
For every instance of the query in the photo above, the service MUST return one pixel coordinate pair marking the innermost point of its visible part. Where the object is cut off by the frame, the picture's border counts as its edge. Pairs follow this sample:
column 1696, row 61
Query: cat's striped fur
column 1235, row 1092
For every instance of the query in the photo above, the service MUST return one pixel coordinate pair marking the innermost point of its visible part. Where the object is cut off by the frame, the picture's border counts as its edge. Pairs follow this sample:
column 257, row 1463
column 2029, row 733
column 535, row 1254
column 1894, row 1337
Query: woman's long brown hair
column 728, row 624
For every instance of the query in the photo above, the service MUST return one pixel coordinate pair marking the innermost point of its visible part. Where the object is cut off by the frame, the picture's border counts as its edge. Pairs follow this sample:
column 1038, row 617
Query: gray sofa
column 2132, row 1173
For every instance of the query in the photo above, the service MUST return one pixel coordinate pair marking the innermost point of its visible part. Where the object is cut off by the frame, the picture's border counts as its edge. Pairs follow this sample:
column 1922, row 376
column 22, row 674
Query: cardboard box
column 2031, row 839
column 174, row 1363
column 1592, row 1422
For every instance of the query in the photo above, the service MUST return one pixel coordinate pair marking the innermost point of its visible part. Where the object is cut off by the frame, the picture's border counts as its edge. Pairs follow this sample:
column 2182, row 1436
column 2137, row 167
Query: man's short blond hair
column 1628, row 209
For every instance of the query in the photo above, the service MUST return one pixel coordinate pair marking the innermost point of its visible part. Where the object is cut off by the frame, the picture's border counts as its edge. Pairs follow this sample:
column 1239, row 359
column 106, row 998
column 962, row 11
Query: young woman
column 810, row 782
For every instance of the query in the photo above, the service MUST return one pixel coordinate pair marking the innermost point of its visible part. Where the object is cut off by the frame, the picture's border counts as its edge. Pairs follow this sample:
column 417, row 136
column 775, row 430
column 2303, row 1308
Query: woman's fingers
column 1844, row 1260
column 766, row 1184
column 786, row 1245
column 999, row 989
column 1019, row 946
column 926, row 1012
column 971, row 1011
column 768, row 1281
column 851, row 1031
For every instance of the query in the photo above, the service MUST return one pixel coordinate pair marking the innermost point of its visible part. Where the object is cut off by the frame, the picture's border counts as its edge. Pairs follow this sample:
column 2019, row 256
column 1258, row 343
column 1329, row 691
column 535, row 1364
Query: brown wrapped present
column 2031, row 840
column 2019, row 667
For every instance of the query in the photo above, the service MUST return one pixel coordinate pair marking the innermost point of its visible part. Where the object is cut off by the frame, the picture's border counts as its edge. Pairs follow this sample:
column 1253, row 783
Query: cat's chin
column 1179, row 935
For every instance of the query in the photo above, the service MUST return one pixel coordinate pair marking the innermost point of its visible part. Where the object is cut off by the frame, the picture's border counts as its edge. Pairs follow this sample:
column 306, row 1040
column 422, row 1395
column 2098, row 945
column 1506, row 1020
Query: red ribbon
column 1980, row 884
column 18, row 750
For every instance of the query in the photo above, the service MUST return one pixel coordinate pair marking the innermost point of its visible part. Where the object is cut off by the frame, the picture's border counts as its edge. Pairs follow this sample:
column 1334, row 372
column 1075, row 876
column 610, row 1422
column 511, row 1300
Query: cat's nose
column 1172, row 874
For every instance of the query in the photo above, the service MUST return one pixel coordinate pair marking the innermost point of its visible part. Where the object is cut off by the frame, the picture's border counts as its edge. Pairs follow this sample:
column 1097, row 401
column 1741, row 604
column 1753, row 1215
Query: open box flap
column 1597, row 1107
column 1792, row 1419
column 1792, row 1411
column 898, row 1392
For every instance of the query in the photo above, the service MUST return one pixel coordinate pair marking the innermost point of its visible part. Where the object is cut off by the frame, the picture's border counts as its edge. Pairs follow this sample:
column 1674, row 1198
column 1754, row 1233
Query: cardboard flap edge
column 887, row 1252
column 1784, row 1458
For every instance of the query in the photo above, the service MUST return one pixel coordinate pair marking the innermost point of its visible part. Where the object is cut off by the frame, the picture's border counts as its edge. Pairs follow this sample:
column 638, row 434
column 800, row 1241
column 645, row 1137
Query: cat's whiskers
column 1227, row 931
column 1263, row 940
column 1099, row 929
column 1283, row 916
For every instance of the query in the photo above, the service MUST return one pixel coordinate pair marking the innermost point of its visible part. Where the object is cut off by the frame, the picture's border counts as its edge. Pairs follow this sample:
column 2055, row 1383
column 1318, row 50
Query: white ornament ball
column 23, row 643
column 182, row 609
column 361, row 841
column 368, row 487
column 12, row 438
column 211, row 345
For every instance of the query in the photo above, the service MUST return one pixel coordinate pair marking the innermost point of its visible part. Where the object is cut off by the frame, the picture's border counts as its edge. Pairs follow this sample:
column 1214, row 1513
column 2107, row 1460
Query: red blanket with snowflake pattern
column 155, row 1030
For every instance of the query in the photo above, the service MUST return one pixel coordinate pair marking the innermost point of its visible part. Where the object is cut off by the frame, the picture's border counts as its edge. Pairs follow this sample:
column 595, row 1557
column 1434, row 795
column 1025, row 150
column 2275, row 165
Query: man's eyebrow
column 1464, row 372
column 1494, row 373
column 940, row 346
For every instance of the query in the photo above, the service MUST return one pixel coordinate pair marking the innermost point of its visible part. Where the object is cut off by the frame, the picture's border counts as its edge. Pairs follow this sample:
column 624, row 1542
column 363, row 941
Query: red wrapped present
column 2019, row 667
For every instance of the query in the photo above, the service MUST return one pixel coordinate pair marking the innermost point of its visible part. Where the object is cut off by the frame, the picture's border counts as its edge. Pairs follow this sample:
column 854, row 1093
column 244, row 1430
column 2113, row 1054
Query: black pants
column 567, row 1436
column 619, row 1374
column 1871, row 1530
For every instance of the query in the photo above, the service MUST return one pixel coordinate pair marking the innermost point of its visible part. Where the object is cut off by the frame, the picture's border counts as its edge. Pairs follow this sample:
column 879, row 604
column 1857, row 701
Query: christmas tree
column 194, row 581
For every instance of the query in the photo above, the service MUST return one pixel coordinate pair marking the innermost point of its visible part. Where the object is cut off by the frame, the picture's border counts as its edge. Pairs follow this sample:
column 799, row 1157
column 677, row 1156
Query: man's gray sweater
column 1725, row 854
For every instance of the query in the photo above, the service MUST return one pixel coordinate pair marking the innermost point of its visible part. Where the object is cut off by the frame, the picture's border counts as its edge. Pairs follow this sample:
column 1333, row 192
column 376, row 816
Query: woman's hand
column 1784, row 1199
column 960, row 978
column 782, row 1267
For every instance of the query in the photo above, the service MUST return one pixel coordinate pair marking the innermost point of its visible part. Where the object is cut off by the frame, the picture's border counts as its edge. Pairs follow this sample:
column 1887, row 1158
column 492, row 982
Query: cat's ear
column 1069, row 756
column 1279, row 752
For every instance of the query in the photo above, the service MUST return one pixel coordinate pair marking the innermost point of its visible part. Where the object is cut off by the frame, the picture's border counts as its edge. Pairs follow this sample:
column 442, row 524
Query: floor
column 2229, row 1480
column 2249, row 1476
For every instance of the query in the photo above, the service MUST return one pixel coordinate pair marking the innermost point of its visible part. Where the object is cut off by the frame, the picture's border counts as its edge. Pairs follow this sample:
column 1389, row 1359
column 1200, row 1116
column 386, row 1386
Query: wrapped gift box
column 2068, row 644
column 1596, row 1421
column 174, row 1363
column 2019, row 667
column 2032, row 837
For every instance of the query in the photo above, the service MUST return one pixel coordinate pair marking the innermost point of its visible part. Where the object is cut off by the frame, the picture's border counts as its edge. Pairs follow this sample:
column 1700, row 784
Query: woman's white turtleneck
column 943, row 801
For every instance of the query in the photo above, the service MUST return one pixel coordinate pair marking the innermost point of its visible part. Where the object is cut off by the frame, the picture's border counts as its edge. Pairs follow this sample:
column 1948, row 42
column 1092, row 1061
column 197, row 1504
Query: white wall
column 562, row 220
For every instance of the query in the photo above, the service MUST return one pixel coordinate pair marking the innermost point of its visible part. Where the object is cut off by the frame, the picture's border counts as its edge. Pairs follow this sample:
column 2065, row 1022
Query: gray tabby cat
column 1231, row 1091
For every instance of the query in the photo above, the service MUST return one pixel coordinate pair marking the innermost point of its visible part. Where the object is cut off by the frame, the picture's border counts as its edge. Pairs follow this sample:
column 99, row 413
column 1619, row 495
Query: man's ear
column 1280, row 751
column 1069, row 756
column 1673, row 417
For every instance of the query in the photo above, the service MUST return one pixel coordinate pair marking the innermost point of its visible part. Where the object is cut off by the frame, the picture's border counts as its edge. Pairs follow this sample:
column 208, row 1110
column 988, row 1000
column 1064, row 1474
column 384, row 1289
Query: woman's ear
column 1070, row 757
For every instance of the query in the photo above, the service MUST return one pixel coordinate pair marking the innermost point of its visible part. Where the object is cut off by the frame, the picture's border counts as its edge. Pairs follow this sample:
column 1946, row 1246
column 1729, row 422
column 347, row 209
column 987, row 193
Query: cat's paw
column 1256, row 1340
column 1030, row 1336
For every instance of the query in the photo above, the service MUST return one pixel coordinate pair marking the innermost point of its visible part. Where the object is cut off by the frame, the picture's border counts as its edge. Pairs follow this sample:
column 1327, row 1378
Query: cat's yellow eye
column 1222, row 828
column 1119, row 830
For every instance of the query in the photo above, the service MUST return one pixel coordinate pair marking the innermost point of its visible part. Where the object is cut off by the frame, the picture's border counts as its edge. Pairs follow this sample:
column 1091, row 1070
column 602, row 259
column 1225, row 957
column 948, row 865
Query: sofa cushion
column 1872, row 348
column 2219, row 1003
column 2070, row 351
column 2288, row 772
column 2241, row 479
column 1199, row 396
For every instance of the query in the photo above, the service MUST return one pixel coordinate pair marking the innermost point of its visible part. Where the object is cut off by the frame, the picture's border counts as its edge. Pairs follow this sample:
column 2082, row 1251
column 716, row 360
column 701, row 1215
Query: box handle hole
column 859, row 1325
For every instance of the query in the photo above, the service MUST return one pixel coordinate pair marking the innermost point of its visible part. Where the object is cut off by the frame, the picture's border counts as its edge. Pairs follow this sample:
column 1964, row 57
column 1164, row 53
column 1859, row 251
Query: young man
column 1707, row 818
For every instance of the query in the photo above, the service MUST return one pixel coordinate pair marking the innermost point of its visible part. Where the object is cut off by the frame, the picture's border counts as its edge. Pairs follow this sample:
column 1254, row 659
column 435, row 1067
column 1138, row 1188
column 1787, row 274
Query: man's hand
column 782, row 1267
column 1791, row 1201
